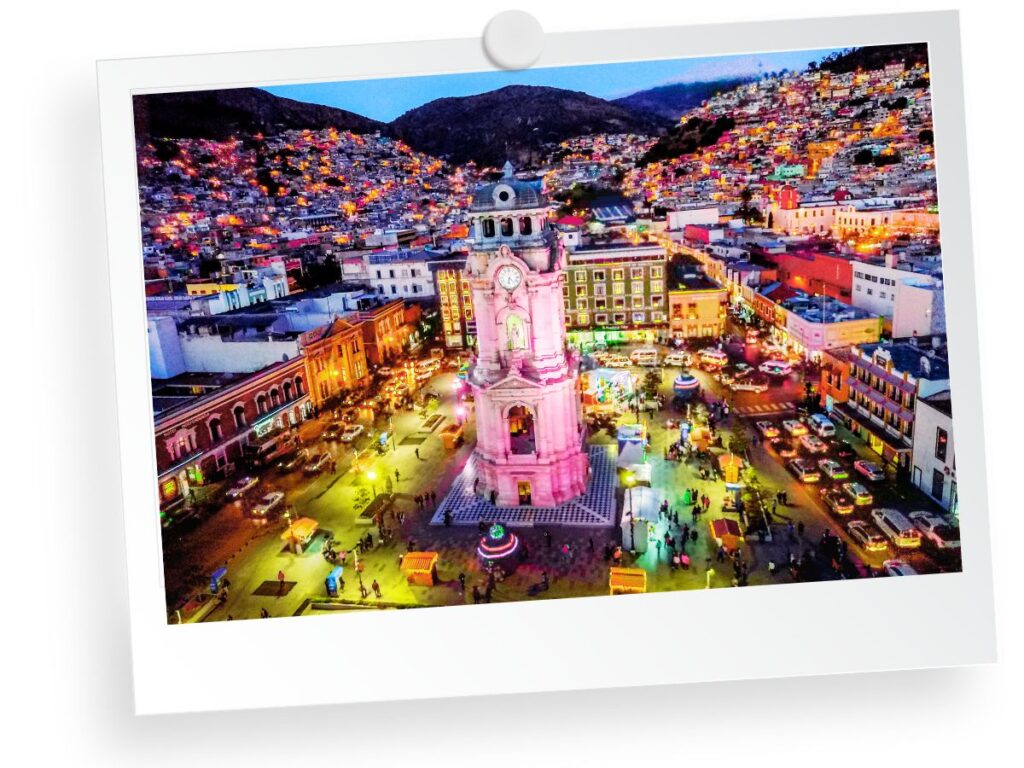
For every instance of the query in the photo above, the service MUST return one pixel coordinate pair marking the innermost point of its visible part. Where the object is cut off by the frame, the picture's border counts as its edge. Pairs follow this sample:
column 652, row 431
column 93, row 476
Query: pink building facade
column 530, row 434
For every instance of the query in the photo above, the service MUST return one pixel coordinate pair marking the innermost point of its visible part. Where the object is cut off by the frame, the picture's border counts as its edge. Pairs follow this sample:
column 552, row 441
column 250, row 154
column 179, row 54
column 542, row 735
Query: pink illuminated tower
column 529, row 417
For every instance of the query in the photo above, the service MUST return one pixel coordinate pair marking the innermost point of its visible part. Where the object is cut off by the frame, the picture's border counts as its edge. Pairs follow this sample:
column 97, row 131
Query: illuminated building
column 455, row 302
column 335, row 360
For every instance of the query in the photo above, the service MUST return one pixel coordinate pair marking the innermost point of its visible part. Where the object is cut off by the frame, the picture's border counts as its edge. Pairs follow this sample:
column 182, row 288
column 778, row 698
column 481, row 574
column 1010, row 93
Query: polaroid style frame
column 803, row 629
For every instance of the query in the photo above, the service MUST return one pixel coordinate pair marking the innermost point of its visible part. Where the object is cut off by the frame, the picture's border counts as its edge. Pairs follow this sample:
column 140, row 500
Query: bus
column 268, row 450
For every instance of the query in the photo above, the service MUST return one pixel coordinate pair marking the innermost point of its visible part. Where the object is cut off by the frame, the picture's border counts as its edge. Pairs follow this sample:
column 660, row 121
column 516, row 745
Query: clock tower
column 530, row 434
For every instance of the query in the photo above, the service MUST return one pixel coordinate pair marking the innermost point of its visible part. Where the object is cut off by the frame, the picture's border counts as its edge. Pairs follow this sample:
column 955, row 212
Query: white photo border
column 798, row 629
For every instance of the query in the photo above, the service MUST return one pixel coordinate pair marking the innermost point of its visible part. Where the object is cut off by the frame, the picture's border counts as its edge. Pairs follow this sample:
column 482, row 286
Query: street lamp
column 629, row 480
column 371, row 476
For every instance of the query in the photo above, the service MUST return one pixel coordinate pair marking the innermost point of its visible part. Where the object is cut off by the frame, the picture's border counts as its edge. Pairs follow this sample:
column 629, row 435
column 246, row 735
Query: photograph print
column 582, row 331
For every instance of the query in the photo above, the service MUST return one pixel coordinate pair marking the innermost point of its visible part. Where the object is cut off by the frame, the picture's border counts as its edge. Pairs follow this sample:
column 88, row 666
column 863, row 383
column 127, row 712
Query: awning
column 627, row 579
column 301, row 529
column 419, row 562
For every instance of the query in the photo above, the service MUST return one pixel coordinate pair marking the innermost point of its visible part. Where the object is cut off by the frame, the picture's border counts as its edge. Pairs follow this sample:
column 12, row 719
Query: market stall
column 639, row 514
column 298, row 535
column 420, row 568
column 451, row 436
column 726, row 533
column 606, row 389
column 625, row 581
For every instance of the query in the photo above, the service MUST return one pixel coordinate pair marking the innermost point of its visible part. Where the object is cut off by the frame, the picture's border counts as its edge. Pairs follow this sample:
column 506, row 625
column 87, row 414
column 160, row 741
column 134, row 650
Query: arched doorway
column 521, row 431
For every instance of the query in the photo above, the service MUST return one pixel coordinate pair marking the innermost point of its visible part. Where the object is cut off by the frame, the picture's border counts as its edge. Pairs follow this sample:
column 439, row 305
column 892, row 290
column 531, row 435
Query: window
column 617, row 274
column 526, row 225
column 215, row 431
column 579, row 275
column 657, row 317
column 638, row 302
column 618, row 288
column 599, row 274
column 657, row 300
column 506, row 227
column 656, row 286
column 636, row 273
column 488, row 227
column 639, row 317
column 941, row 442
column 600, row 289
column 601, row 319
column 581, row 304
column 619, row 317
column 657, row 271
column 582, row 318
column 637, row 286
column 581, row 290
column 239, row 414
column 619, row 303
column 600, row 303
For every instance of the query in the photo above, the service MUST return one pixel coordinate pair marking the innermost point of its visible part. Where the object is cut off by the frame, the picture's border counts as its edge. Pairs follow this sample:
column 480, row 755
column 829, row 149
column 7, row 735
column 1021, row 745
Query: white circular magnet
column 513, row 39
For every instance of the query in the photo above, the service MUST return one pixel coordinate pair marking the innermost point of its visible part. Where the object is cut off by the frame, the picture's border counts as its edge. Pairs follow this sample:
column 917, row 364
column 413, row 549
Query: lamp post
column 629, row 480
column 371, row 476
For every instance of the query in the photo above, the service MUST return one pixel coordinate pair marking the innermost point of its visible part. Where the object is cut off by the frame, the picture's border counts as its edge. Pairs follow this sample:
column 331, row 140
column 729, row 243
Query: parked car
column 941, row 532
column 267, row 504
column 898, row 568
column 833, row 469
column 296, row 460
column 869, row 469
column 352, row 431
column 805, row 471
column 767, row 429
column 813, row 444
column 794, row 427
column 333, row 432
column 837, row 502
column 776, row 367
column 678, row 359
column 822, row 425
column 241, row 487
column 898, row 528
column 317, row 464
column 869, row 537
column 616, row 361
column 858, row 494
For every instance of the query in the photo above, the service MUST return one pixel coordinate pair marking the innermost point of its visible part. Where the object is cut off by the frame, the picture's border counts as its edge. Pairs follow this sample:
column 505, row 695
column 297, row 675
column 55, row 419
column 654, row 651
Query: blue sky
column 387, row 99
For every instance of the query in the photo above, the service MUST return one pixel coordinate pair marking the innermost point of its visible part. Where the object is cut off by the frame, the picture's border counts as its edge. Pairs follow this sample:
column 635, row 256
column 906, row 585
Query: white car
column 869, row 469
column 352, row 432
column 677, row 359
column 268, row 504
column 794, row 427
column 243, row 486
column 813, row 444
column 317, row 464
column 767, row 429
column 941, row 532
column 867, row 536
column 833, row 469
column 858, row 494
column 616, row 361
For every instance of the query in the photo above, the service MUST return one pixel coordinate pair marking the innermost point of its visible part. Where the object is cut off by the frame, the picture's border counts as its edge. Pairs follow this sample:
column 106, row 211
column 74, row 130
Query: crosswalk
column 764, row 409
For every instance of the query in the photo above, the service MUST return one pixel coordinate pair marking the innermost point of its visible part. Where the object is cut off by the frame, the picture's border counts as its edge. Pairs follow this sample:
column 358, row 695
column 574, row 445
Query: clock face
column 509, row 278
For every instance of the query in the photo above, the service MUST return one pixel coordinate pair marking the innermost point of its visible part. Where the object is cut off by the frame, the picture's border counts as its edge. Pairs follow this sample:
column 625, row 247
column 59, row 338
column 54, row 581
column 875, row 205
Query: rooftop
column 920, row 359
column 941, row 402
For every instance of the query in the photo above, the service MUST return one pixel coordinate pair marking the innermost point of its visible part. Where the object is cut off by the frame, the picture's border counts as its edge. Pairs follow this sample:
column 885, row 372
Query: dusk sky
column 387, row 99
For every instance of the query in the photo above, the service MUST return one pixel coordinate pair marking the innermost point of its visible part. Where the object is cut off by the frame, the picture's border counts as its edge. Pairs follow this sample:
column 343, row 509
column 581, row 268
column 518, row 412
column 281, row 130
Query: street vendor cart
column 298, row 535
column 726, row 533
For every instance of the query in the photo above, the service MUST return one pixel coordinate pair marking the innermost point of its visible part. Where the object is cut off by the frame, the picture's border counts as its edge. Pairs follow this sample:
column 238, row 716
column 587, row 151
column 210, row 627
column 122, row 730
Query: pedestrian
column 800, row 528
column 264, row 613
column 547, row 539
column 476, row 594
column 376, row 588
column 433, row 498
column 462, row 583
column 417, row 453
column 397, row 475
column 280, row 581
column 771, row 567
column 447, row 518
